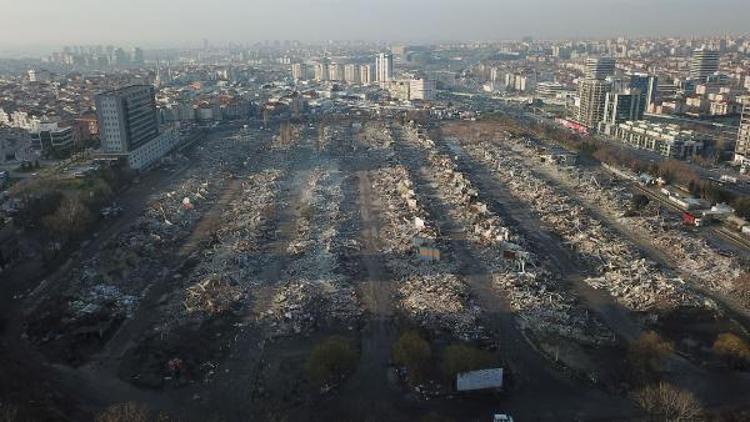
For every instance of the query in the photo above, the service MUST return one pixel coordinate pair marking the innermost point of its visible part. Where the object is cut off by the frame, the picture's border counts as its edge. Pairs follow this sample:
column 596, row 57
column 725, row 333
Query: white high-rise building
column 129, row 126
column 127, row 118
column 366, row 74
column 384, row 67
column 704, row 63
column 298, row 72
column 422, row 89
column 321, row 72
column 351, row 74
column 742, row 149
column 593, row 96
column 335, row 72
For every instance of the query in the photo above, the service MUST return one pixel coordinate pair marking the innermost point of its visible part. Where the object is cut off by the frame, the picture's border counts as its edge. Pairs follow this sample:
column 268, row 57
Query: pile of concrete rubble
column 318, row 227
column 375, row 136
column 306, row 213
column 173, row 213
column 143, row 254
column 405, row 217
column 442, row 303
column 545, row 308
column 540, row 303
column 637, row 283
column 697, row 257
column 102, row 296
column 302, row 306
column 287, row 136
column 212, row 296
column 484, row 227
column 234, row 254
column 327, row 135
column 319, row 293
column 429, row 293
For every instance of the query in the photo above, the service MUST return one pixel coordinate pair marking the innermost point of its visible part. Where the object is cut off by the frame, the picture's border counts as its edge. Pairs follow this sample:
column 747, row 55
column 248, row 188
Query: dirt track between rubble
column 367, row 395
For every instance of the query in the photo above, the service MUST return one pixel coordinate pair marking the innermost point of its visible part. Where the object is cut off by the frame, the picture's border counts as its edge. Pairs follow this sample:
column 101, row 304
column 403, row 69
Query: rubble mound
column 212, row 296
column 441, row 303
column 637, row 283
column 549, row 311
column 302, row 306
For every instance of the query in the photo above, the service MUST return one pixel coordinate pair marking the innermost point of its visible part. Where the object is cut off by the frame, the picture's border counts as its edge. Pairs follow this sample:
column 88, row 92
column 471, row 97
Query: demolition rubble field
column 534, row 292
column 635, row 281
column 94, row 299
column 273, row 242
column 570, row 201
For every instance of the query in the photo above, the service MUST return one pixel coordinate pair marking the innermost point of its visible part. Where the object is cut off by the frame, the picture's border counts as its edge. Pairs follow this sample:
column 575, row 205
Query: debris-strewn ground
column 543, row 305
column 636, row 282
column 698, row 258
column 112, row 282
column 320, row 292
column 211, row 302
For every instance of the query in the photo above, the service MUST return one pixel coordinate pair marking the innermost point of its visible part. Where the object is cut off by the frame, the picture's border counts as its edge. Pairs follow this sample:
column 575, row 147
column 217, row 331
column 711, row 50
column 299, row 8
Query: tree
column 36, row 205
column 435, row 417
column 414, row 353
column 647, row 354
column 459, row 358
column 331, row 360
column 742, row 206
column 665, row 402
column 124, row 412
column 8, row 413
column 713, row 193
column 70, row 219
column 732, row 349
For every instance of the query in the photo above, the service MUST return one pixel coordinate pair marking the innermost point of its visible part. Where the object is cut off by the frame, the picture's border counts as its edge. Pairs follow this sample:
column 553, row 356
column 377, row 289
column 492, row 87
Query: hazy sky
column 187, row 22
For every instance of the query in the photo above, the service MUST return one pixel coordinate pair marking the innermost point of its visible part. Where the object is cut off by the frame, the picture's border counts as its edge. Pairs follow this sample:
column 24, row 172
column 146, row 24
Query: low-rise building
column 150, row 152
column 667, row 140
column 51, row 139
column 422, row 89
column 549, row 89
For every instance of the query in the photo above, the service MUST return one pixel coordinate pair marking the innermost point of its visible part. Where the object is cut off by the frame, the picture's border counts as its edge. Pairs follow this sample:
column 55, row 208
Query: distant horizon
column 38, row 51
column 159, row 24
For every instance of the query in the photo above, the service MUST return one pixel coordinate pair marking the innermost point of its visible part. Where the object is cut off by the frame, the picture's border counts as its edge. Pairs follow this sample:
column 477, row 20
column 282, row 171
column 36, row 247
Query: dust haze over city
column 334, row 210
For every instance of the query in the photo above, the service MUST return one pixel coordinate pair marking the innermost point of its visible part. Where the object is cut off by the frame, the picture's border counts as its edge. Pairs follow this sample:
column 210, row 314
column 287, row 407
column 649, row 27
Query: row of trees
column 413, row 352
column 662, row 401
column 336, row 357
column 647, row 354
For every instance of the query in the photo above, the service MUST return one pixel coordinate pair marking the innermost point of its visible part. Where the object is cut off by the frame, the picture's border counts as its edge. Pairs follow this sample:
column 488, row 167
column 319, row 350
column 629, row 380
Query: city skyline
column 157, row 24
column 389, row 210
